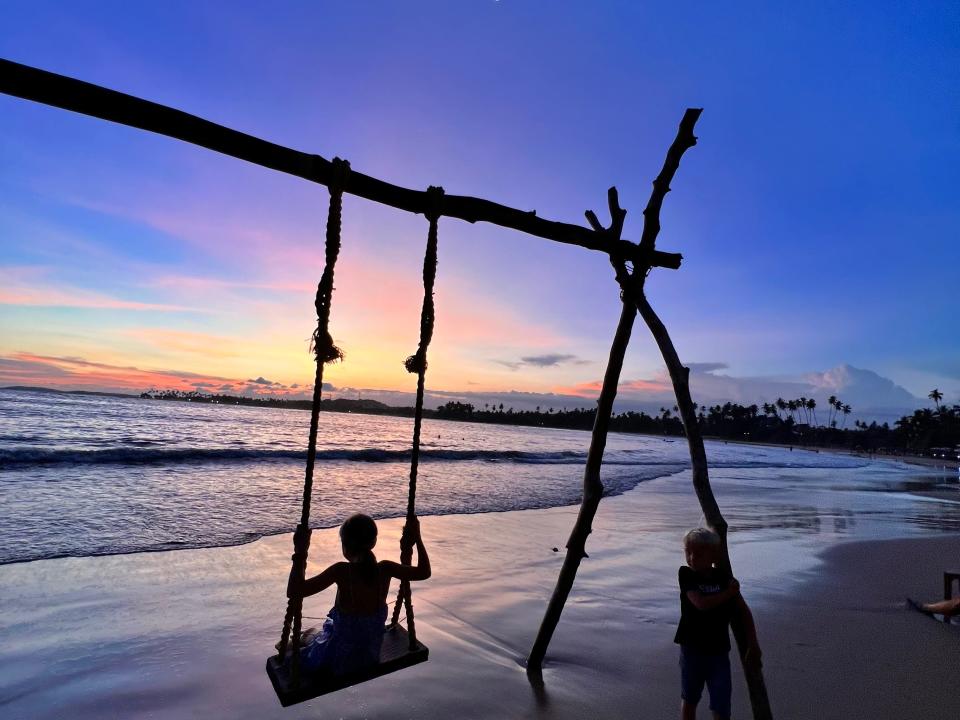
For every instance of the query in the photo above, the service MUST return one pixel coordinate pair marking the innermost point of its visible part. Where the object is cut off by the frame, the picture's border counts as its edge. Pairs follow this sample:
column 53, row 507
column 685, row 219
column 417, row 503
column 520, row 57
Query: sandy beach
column 186, row 633
column 267, row 266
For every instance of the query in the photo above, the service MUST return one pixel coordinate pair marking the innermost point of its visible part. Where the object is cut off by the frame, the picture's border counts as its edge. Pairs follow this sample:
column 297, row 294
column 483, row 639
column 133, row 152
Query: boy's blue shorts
column 713, row 670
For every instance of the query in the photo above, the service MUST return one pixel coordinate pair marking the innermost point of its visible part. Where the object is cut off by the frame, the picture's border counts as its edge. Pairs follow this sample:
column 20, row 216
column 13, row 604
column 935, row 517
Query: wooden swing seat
column 395, row 654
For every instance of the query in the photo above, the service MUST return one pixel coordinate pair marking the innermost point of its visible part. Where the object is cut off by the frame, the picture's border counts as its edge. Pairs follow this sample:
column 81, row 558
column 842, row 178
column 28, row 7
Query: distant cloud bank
column 871, row 395
column 75, row 373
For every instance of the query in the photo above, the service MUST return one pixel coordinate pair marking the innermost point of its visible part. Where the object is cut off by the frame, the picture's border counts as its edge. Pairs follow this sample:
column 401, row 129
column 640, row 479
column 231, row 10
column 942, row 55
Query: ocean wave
column 18, row 458
column 826, row 464
column 178, row 536
column 151, row 455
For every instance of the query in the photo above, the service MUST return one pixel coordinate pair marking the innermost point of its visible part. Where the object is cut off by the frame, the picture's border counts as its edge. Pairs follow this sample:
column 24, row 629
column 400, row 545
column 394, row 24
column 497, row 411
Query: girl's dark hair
column 359, row 536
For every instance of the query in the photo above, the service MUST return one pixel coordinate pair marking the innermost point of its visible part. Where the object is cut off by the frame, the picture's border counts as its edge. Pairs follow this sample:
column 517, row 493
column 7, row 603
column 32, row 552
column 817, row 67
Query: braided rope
column 325, row 351
column 417, row 363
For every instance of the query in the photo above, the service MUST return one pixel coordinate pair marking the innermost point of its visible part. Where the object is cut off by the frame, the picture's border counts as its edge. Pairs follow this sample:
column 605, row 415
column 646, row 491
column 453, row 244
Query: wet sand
column 186, row 634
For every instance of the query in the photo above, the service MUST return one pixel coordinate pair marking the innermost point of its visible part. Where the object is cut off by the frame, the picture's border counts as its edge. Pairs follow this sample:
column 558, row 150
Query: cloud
column 859, row 387
column 871, row 395
column 707, row 367
column 652, row 388
column 543, row 361
column 28, row 286
column 197, row 283
column 550, row 359
column 206, row 345
column 76, row 373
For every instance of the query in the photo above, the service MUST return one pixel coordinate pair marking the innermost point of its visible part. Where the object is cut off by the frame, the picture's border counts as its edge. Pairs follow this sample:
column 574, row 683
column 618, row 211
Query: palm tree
column 936, row 396
column 845, row 409
column 812, row 404
column 781, row 405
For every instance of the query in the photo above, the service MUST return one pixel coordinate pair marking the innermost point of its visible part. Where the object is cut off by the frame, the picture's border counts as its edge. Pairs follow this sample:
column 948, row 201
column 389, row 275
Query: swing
column 400, row 647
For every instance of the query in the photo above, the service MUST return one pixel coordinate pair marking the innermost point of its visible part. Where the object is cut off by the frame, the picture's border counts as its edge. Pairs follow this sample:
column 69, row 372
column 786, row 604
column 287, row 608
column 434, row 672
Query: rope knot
column 321, row 345
column 339, row 172
column 416, row 363
column 434, row 209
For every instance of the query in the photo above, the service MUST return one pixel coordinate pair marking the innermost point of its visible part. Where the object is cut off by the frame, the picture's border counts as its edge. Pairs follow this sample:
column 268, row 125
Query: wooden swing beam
column 85, row 98
column 77, row 96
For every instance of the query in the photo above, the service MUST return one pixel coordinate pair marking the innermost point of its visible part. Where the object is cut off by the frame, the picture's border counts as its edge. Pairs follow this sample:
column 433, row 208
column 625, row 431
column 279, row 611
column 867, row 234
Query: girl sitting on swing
column 353, row 631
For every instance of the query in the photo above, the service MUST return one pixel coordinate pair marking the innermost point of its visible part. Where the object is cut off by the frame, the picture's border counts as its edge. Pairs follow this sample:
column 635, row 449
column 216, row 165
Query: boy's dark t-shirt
column 705, row 630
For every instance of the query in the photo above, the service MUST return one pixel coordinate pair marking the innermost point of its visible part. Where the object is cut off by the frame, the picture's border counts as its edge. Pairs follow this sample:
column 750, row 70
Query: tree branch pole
column 592, row 486
column 680, row 376
column 77, row 96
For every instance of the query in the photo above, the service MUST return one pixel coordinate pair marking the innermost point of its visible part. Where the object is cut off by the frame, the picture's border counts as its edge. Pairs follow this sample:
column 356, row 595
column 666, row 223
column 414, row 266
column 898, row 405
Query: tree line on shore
column 789, row 422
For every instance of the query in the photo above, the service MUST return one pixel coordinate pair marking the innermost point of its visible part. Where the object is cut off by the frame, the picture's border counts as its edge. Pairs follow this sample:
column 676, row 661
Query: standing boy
column 709, row 598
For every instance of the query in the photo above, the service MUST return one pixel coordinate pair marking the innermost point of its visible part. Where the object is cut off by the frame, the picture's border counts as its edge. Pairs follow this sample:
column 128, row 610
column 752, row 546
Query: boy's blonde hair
column 701, row 536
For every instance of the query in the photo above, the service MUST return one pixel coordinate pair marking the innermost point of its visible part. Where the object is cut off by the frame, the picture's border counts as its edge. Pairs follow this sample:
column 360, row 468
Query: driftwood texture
column 82, row 97
column 592, row 487
column 680, row 377
column 632, row 284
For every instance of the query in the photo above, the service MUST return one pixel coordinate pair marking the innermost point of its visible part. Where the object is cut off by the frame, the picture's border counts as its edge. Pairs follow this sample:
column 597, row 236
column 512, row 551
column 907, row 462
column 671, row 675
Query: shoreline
column 155, row 631
column 948, row 494
column 358, row 407
column 921, row 460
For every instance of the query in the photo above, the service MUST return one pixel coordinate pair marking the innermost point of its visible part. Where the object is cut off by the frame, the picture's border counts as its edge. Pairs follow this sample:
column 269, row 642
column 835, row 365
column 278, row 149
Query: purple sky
column 818, row 215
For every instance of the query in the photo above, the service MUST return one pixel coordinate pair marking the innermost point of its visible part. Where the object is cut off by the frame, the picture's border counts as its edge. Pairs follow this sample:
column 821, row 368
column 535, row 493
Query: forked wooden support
column 680, row 377
column 632, row 283
column 592, row 487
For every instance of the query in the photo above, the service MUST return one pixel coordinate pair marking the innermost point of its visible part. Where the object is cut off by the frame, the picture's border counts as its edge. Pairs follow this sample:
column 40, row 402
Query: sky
column 818, row 215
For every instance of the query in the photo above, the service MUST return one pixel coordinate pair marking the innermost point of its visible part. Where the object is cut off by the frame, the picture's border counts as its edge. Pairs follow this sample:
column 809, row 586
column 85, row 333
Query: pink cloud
column 74, row 373
column 652, row 387
column 204, row 344
column 41, row 297
column 197, row 283
column 29, row 286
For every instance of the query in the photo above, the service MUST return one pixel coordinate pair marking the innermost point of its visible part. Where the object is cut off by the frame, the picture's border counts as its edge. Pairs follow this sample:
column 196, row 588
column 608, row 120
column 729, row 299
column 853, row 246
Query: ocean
column 88, row 475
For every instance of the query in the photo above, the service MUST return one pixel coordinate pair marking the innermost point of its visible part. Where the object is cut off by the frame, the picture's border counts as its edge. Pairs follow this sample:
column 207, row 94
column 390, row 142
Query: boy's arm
column 703, row 601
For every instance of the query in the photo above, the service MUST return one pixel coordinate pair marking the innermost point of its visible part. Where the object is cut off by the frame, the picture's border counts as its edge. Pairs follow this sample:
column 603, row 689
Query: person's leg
column 948, row 608
column 719, row 685
column 692, row 679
